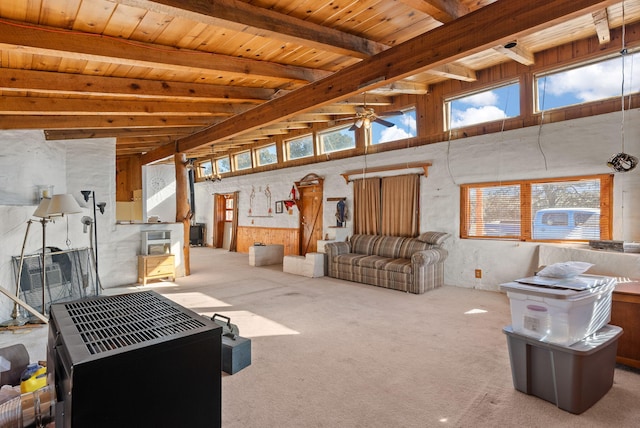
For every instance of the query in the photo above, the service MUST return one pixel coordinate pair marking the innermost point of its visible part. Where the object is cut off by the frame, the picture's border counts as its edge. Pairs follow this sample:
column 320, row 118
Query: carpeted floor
column 331, row 353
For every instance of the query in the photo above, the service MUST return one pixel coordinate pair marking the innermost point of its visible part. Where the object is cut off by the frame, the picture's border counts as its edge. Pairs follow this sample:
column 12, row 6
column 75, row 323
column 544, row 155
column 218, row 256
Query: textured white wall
column 27, row 160
column 577, row 147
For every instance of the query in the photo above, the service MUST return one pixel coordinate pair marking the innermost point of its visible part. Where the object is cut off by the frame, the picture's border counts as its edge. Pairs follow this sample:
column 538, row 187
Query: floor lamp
column 47, row 210
column 100, row 205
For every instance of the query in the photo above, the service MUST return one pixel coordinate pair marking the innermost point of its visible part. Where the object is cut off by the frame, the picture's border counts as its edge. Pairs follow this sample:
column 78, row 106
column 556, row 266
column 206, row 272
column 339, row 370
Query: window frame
column 574, row 66
column 287, row 150
column 237, row 155
column 526, row 232
column 256, row 154
column 446, row 116
column 218, row 160
column 390, row 119
column 335, row 129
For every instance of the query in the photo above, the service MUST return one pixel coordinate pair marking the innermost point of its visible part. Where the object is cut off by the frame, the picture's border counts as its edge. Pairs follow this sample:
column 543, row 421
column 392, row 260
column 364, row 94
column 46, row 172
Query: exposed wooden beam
column 75, row 134
column 73, row 106
column 516, row 52
column 441, row 10
column 101, row 121
column 40, row 40
column 601, row 22
column 400, row 87
column 454, row 71
column 246, row 18
column 67, row 83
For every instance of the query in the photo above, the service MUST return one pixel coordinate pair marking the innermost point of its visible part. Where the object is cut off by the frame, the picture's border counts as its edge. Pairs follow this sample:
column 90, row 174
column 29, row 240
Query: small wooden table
column 625, row 313
column 156, row 267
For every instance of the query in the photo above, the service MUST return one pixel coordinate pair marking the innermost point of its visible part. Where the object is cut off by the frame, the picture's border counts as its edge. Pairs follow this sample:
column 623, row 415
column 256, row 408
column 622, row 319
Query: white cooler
column 560, row 311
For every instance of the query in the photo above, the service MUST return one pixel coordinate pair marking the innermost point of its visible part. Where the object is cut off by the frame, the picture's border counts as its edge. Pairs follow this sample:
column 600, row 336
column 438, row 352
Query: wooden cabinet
column 625, row 313
column 156, row 267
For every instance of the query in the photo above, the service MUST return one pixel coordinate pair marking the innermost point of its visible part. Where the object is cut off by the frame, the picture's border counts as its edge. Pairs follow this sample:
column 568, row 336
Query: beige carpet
column 331, row 353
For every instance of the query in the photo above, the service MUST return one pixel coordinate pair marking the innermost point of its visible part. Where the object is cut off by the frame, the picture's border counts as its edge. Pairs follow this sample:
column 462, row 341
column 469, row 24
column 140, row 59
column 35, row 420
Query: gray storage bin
column 572, row 377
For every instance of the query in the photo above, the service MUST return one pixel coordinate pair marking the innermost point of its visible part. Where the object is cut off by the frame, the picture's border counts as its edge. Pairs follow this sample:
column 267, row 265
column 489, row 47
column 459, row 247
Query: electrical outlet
column 478, row 273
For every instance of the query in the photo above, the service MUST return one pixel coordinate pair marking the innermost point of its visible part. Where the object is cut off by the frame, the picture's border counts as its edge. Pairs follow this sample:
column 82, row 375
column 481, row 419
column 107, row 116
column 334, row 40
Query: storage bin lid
column 575, row 288
column 586, row 346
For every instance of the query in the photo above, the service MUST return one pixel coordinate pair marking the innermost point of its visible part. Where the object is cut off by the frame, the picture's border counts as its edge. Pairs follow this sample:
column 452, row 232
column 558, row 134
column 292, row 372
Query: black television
column 133, row 360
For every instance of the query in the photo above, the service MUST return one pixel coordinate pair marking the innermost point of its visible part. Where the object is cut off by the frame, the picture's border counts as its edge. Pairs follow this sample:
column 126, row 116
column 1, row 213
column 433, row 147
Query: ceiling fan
column 365, row 116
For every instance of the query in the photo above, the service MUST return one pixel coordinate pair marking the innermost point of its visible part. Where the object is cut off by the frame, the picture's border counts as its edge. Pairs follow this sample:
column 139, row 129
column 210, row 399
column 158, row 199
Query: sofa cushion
column 350, row 259
column 388, row 246
column 399, row 265
column 434, row 238
column 363, row 244
column 376, row 262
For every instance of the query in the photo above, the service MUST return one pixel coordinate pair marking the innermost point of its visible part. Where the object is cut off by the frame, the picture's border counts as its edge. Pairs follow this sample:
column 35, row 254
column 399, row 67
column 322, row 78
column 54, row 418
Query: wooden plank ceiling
column 206, row 76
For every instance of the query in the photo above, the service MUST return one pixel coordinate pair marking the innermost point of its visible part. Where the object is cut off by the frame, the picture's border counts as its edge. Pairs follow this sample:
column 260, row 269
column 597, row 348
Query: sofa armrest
column 428, row 257
column 336, row 248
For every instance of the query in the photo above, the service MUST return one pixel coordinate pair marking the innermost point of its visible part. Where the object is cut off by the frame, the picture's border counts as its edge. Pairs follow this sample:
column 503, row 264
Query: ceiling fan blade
column 391, row 113
column 384, row 122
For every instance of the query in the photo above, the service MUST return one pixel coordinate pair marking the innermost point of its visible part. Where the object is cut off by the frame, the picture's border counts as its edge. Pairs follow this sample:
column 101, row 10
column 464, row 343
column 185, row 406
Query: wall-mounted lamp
column 94, row 246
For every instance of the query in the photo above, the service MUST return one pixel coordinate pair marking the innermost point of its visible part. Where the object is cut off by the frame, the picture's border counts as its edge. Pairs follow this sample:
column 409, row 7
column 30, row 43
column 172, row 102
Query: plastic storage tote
column 557, row 314
column 572, row 377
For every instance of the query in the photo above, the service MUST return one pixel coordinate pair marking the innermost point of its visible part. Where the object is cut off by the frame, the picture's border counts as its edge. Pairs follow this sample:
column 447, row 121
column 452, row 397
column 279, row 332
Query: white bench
column 311, row 265
column 263, row 255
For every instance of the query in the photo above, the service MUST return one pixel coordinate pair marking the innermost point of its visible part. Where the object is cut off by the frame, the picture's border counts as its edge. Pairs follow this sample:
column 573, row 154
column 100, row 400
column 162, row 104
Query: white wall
column 27, row 160
column 578, row 147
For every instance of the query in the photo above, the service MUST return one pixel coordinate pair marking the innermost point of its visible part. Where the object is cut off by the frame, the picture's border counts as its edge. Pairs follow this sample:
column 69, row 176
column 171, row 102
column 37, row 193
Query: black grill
column 116, row 322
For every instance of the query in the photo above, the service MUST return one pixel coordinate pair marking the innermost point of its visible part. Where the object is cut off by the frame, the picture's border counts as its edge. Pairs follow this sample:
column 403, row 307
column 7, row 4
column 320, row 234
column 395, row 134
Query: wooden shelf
column 424, row 165
column 336, row 199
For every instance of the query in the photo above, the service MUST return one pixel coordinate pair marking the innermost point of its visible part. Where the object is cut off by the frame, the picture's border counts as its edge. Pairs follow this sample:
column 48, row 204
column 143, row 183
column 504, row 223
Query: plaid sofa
column 414, row 265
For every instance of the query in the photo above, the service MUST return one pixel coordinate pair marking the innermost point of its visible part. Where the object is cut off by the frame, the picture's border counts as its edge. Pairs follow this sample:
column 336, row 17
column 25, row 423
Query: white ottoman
column 263, row 255
column 311, row 265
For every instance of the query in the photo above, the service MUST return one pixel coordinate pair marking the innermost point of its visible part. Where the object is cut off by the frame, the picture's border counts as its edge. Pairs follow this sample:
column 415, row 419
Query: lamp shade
column 63, row 204
column 43, row 208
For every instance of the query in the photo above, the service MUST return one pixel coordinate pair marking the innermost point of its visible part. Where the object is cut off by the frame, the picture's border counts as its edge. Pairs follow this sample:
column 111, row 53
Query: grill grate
column 115, row 322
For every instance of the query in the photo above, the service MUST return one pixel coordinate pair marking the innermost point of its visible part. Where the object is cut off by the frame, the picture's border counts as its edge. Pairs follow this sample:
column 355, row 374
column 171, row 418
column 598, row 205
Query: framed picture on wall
column 279, row 207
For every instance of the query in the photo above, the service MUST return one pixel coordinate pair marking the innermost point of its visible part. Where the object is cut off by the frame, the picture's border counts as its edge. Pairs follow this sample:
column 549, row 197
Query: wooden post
column 183, row 209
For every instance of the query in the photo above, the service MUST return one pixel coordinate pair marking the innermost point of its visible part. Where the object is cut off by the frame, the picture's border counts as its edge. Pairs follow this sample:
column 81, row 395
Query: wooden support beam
column 246, row 18
column 183, row 210
column 601, row 22
column 454, row 71
column 516, row 52
column 94, row 47
column 68, row 122
column 12, row 80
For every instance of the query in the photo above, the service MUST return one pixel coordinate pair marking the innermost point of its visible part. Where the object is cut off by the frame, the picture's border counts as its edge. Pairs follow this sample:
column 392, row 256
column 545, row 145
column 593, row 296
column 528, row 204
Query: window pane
column 586, row 83
column 223, row 165
column 404, row 126
column 494, row 104
column 566, row 210
column 205, row 169
column 300, row 147
column 267, row 155
column 494, row 211
column 243, row 160
column 337, row 140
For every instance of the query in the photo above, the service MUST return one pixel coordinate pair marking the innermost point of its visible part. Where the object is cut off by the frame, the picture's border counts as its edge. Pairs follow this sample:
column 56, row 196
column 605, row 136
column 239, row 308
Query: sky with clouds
column 593, row 82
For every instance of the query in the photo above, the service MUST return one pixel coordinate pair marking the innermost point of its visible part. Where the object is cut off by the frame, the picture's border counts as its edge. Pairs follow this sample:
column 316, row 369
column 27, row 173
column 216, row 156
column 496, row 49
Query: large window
column 404, row 126
column 204, row 169
column 301, row 147
column 497, row 103
column 590, row 82
column 566, row 209
column 336, row 140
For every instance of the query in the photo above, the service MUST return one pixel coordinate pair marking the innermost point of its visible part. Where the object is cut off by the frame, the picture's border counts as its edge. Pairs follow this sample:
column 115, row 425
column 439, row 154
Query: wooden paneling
column 247, row 236
column 128, row 177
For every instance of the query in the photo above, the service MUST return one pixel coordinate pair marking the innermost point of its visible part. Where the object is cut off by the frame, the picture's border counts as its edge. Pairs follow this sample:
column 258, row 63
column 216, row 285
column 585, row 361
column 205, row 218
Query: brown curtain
column 366, row 206
column 218, row 219
column 234, row 224
column 400, row 205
